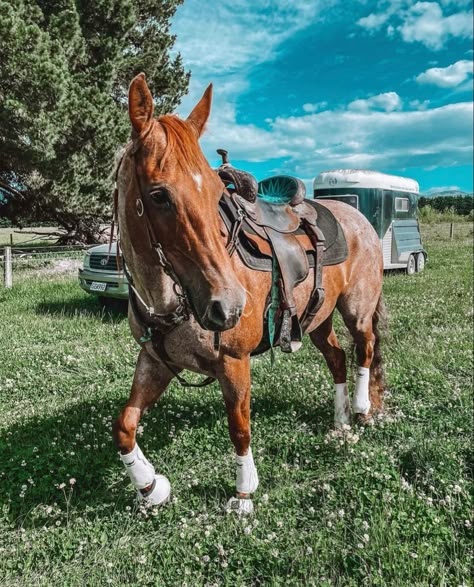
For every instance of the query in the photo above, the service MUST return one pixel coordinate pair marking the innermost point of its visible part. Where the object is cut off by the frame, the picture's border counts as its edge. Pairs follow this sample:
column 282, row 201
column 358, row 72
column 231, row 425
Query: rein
column 158, row 325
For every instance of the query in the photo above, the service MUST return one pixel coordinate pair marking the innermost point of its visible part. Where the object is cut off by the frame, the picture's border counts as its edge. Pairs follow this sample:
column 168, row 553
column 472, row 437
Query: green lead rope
column 274, row 305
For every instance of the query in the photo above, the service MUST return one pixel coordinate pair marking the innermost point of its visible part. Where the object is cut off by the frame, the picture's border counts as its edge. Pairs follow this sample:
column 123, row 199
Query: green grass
column 390, row 506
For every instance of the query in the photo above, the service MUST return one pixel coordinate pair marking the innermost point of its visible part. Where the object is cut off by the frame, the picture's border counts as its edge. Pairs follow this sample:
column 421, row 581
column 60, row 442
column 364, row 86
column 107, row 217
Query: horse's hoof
column 240, row 506
column 158, row 494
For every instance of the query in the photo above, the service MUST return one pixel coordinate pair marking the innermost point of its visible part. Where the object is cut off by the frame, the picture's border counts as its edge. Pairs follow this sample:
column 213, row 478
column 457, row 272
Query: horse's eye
column 161, row 197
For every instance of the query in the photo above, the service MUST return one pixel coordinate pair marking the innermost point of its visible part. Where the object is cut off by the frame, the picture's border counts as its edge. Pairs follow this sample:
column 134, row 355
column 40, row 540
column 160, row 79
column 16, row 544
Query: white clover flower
column 72, row 481
column 309, row 550
column 142, row 559
column 247, row 530
column 62, row 485
column 365, row 538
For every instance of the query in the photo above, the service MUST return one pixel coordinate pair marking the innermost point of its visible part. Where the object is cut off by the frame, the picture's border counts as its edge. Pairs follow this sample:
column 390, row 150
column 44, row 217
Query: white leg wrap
column 140, row 470
column 342, row 409
column 142, row 474
column 360, row 401
column 247, row 477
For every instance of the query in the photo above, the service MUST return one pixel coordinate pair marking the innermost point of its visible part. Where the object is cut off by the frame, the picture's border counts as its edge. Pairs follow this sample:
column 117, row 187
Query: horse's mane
column 181, row 141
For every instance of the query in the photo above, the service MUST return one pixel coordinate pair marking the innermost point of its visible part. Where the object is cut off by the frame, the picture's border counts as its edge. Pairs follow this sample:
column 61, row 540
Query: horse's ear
column 201, row 111
column 140, row 104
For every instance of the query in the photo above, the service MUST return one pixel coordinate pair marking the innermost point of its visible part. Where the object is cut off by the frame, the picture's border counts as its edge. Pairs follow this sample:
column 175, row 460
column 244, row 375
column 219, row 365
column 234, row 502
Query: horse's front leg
column 235, row 384
column 150, row 381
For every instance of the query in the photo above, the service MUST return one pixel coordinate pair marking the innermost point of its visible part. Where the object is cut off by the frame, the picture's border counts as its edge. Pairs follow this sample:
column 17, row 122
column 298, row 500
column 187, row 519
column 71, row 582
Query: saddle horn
column 244, row 184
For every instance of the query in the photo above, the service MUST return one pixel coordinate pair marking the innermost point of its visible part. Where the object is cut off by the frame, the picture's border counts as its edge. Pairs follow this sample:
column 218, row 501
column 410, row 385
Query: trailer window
column 402, row 204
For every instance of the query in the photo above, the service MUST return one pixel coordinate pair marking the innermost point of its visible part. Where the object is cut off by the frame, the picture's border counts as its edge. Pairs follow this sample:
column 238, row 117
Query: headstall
column 155, row 326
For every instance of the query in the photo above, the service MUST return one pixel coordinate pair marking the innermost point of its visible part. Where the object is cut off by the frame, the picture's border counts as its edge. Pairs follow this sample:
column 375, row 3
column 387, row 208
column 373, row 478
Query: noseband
column 155, row 326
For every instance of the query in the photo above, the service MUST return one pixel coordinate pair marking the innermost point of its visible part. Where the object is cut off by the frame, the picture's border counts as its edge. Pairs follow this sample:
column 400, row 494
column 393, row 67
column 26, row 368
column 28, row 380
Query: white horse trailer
column 389, row 202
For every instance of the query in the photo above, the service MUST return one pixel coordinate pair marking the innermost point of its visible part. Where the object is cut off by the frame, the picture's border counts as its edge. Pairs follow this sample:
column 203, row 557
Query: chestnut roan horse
column 174, row 244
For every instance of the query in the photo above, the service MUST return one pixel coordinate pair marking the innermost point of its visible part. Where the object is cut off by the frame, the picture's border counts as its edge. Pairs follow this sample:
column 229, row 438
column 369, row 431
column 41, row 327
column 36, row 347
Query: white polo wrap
column 247, row 477
column 360, row 401
column 140, row 470
column 342, row 408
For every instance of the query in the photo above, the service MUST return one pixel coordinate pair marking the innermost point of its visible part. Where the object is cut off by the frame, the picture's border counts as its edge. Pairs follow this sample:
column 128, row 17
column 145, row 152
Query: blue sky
column 302, row 86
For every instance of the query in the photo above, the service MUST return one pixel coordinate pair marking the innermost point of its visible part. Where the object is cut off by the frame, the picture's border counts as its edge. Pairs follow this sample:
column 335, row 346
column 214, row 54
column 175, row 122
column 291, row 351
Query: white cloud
column 444, row 188
column 373, row 21
column 447, row 77
column 426, row 23
column 422, row 22
column 314, row 107
column 419, row 104
column 387, row 102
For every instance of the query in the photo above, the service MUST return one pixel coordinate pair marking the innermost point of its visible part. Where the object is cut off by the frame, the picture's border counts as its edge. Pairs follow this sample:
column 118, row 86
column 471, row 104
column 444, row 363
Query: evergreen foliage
column 66, row 66
column 461, row 205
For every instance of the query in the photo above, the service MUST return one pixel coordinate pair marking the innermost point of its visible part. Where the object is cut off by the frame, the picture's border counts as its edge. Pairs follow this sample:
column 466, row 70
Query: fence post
column 451, row 231
column 8, row 278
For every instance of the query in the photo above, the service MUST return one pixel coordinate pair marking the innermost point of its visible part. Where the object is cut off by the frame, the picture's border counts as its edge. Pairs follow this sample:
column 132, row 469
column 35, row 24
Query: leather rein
column 155, row 326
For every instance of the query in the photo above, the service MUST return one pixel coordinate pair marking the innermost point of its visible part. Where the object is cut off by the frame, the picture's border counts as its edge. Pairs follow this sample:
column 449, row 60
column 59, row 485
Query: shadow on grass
column 106, row 310
column 42, row 453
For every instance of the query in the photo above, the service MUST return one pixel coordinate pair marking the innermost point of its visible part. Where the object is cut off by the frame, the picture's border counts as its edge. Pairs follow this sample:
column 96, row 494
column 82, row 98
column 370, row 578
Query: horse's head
column 179, row 193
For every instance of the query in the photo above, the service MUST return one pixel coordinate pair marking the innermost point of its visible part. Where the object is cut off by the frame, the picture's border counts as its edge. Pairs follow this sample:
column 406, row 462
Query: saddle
column 264, row 220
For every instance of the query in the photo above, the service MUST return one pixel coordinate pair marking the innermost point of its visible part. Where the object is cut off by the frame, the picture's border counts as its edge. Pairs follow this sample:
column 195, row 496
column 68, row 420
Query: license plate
column 98, row 286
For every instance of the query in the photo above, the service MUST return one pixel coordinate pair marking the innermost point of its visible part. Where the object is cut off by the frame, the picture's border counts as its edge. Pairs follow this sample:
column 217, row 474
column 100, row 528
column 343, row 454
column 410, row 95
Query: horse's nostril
column 217, row 313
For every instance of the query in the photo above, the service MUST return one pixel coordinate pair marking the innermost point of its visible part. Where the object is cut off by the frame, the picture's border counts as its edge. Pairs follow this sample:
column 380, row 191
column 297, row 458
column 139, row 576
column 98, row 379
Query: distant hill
column 447, row 193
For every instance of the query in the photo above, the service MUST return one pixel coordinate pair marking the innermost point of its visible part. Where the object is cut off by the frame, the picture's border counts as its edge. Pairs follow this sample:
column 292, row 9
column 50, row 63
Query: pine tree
column 64, row 74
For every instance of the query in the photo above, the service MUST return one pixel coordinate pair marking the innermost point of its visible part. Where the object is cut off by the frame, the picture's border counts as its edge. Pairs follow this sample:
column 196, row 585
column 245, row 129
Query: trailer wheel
column 420, row 262
column 411, row 266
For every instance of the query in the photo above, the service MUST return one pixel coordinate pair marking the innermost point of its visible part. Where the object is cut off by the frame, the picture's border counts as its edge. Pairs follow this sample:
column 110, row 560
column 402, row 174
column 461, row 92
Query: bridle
column 155, row 325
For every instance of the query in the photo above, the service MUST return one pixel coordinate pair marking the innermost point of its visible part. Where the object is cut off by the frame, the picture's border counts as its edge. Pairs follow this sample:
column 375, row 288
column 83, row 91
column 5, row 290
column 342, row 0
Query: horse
column 209, row 306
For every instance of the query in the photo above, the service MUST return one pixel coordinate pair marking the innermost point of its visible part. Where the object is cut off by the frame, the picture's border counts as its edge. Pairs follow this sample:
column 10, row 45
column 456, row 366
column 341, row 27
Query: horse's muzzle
column 222, row 314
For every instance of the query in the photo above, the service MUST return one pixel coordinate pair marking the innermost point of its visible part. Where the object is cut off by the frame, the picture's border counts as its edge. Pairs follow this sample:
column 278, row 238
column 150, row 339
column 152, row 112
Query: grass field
column 386, row 505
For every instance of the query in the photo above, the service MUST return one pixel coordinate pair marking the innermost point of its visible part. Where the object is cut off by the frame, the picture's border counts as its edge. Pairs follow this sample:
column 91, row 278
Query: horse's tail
column 379, row 328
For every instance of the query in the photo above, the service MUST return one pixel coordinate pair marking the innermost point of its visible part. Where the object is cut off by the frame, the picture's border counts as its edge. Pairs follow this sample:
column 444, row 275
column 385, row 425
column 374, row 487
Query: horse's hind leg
column 149, row 382
column 235, row 383
column 325, row 339
column 361, row 318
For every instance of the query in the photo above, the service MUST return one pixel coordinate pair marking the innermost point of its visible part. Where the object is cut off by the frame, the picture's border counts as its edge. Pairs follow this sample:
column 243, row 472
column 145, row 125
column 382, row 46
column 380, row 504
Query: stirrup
column 291, row 334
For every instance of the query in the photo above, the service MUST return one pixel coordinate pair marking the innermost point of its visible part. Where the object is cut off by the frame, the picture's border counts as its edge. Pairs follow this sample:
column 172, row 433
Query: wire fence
column 24, row 260
column 42, row 259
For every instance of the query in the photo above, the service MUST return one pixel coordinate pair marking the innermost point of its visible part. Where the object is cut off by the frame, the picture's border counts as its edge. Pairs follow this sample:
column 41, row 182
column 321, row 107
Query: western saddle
column 264, row 220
